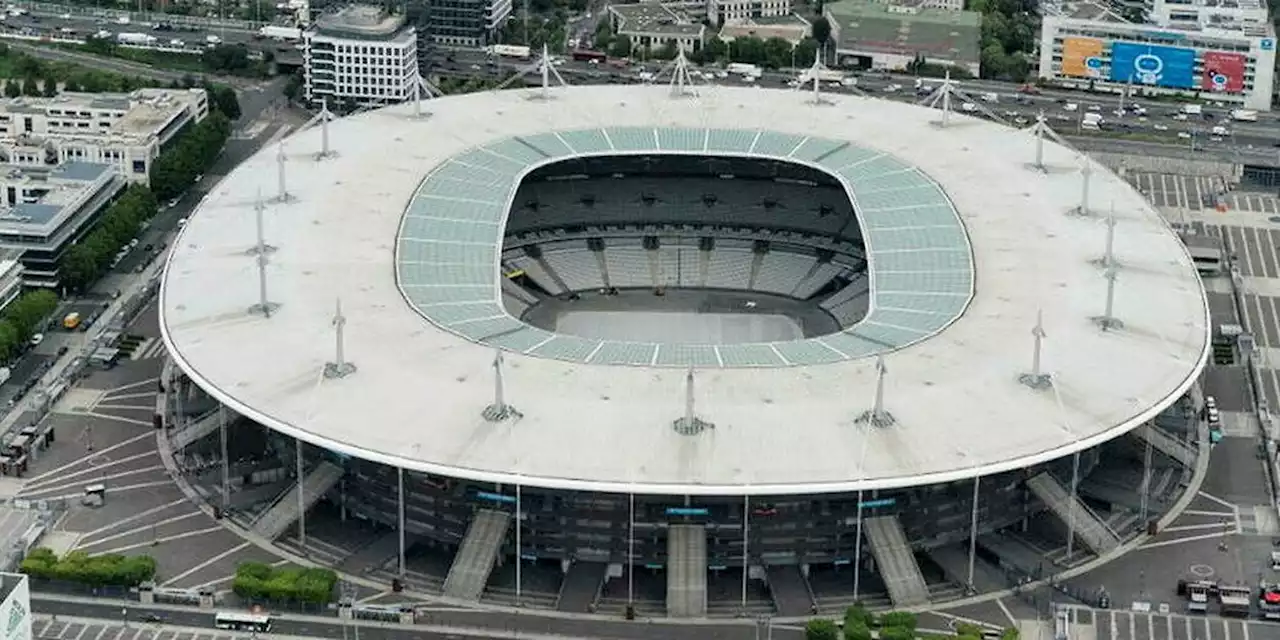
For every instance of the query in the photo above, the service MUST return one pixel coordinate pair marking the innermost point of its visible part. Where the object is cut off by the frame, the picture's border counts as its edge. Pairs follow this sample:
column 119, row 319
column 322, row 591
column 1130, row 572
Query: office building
column 720, row 12
column 870, row 35
column 1231, row 61
column 125, row 130
column 15, row 607
column 655, row 26
column 43, row 211
column 466, row 23
column 360, row 54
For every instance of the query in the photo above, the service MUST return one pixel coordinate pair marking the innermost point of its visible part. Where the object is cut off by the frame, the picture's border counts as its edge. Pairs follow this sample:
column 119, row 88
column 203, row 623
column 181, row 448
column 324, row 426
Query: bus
column 256, row 622
column 583, row 55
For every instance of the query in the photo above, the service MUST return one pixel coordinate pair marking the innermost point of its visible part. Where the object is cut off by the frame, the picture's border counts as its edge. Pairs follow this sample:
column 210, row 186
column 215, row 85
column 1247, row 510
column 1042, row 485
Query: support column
column 631, row 550
column 973, row 533
column 746, row 543
column 400, row 565
column 519, row 544
column 857, row 551
column 1145, row 502
column 226, row 464
column 1075, row 488
column 302, row 500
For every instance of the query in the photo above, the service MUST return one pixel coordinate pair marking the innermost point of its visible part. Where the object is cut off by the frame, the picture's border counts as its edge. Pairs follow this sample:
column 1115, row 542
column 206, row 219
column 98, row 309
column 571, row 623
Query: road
column 440, row 622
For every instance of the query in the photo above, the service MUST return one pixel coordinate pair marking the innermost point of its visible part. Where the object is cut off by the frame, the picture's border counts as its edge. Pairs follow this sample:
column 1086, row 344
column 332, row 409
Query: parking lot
column 1174, row 191
column 1129, row 625
column 44, row 628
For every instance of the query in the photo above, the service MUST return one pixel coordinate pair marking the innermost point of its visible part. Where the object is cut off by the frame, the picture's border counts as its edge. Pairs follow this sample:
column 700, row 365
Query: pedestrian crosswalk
column 1164, row 621
column 1259, row 520
column 148, row 349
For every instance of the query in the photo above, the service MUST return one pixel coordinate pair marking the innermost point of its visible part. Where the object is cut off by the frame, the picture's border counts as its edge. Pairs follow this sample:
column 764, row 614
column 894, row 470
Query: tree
column 224, row 99
column 821, row 31
column 12, row 88
column 821, row 629
column 857, row 632
column 621, row 47
column 49, row 86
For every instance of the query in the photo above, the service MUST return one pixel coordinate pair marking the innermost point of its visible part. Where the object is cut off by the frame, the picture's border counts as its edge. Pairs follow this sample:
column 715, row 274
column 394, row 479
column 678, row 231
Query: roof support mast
column 282, row 185
column 546, row 70
column 260, row 251
column 690, row 424
column 499, row 410
column 681, row 82
column 1086, row 172
column 815, row 76
column 1037, row 379
column 339, row 368
column 260, row 243
column 878, row 416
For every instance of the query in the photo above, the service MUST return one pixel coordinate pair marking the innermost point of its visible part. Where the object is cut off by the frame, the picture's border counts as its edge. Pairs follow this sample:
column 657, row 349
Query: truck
column 281, row 34
column 212, row 40
column 510, row 51
column 743, row 69
column 1192, row 109
column 71, row 321
column 1234, row 600
column 1244, row 115
column 824, row 75
column 137, row 39
column 1091, row 121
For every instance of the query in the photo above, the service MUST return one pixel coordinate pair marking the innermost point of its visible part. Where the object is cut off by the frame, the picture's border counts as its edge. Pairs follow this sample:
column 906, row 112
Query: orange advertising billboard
column 1082, row 57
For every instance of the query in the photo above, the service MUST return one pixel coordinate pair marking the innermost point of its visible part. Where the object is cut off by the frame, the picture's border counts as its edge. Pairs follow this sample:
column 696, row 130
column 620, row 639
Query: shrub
column 968, row 630
column 258, row 581
column 897, row 633
column 821, row 629
column 112, row 570
column 1010, row 634
column 857, row 631
column 899, row 619
column 858, row 615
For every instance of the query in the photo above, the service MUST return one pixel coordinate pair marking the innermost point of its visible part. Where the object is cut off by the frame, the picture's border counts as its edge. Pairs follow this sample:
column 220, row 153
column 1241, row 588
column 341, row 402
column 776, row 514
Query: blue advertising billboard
column 1153, row 65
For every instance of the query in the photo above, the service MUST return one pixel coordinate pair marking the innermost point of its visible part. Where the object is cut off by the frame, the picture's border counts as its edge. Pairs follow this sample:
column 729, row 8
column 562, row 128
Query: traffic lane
column 477, row 620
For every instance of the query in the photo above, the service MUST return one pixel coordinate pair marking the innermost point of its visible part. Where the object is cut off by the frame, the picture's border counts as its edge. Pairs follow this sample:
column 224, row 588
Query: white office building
column 15, row 607
column 124, row 130
column 360, row 55
column 1199, row 50
column 43, row 211
column 11, row 272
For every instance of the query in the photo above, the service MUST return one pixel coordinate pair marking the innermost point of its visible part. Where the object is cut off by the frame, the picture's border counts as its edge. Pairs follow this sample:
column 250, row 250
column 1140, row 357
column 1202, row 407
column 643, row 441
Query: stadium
column 621, row 350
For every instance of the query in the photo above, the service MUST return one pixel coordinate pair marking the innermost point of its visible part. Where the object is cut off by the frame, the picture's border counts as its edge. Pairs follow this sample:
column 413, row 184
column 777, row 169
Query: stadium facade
column 623, row 332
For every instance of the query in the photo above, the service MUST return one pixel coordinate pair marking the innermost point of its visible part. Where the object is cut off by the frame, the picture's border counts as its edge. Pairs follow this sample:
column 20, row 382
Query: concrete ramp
column 197, row 429
column 895, row 562
column 477, row 554
column 687, row 571
column 790, row 590
column 581, row 586
column 1161, row 441
column 1089, row 528
column 284, row 511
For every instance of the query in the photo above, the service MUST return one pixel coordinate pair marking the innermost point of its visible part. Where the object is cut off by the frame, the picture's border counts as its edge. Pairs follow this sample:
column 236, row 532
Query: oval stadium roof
column 419, row 394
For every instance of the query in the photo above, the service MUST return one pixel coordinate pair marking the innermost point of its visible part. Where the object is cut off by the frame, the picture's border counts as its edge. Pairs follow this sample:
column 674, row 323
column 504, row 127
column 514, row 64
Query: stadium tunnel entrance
column 684, row 248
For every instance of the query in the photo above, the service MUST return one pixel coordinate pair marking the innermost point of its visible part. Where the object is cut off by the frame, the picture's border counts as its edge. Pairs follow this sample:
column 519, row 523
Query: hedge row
column 111, row 570
column 258, row 581
column 893, row 625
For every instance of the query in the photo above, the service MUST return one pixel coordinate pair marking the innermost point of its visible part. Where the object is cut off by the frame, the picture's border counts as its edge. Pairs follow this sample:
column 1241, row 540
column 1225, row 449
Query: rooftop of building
column 361, row 21
column 937, row 33
column 791, row 27
column 655, row 18
column 141, row 113
column 787, row 425
column 60, row 186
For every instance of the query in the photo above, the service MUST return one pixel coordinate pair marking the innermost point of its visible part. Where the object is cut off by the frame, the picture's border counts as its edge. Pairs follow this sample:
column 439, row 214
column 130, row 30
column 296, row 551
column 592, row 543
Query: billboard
column 15, row 610
column 1082, row 57
column 1153, row 65
column 1223, row 72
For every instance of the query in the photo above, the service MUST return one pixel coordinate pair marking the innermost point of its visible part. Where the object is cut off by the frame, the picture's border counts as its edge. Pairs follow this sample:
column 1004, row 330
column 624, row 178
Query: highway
column 443, row 623
column 1157, row 125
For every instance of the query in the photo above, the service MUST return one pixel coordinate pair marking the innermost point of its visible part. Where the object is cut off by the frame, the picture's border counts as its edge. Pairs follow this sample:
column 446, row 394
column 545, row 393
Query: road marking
column 132, row 385
column 94, row 479
column 92, row 454
column 180, row 536
column 104, row 416
column 1209, row 514
column 96, row 468
column 1220, row 501
column 136, row 516
column 153, row 526
column 106, row 397
column 130, row 487
column 204, row 564
column 101, row 632
column 1194, row 527
column 83, row 628
column 1169, row 543
column 1006, row 612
